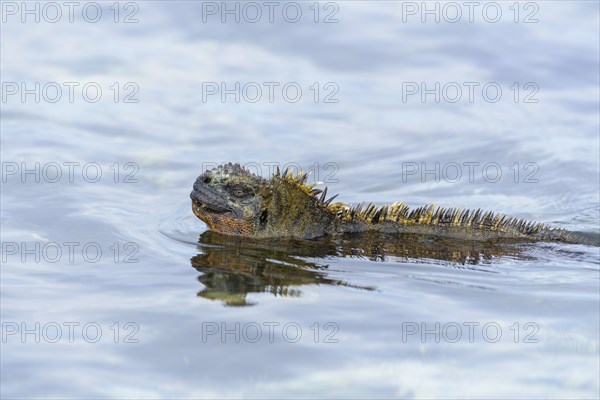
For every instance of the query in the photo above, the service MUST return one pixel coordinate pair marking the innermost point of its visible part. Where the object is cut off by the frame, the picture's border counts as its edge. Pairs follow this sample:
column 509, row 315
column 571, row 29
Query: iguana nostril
column 206, row 180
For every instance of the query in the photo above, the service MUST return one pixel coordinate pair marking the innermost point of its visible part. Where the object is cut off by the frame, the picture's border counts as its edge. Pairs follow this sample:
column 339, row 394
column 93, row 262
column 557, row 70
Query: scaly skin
column 233, row 201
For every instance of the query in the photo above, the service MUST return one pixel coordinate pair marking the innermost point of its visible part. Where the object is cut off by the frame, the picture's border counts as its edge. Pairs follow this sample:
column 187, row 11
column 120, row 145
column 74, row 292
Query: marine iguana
column 233, row 201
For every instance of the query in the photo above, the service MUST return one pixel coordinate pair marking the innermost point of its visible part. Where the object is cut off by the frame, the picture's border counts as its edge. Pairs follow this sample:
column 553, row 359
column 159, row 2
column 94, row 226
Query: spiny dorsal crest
column 430, row 215
column 300, row 181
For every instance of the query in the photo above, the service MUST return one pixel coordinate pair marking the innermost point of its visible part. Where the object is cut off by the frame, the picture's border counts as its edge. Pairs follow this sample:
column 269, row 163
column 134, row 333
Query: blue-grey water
column 106, row 293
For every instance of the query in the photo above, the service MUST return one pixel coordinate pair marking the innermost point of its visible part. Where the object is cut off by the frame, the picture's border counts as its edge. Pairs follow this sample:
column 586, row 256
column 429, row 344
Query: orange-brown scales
column 233, row 201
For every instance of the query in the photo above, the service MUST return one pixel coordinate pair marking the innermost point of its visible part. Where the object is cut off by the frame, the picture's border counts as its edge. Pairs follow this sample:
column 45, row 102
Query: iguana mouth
column 203, row 201
column 205, row 207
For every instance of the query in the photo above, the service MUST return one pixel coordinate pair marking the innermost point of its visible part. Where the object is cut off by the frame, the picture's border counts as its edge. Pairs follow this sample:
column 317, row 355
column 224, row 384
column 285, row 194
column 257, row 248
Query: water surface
column 180, row 309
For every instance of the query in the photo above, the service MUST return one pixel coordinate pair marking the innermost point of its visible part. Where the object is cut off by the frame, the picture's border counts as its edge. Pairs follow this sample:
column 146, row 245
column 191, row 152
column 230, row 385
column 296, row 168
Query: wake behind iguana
column 233, row 201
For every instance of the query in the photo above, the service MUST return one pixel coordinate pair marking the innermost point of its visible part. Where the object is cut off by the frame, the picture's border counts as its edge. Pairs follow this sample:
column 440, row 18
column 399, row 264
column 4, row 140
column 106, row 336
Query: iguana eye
column 239, row 192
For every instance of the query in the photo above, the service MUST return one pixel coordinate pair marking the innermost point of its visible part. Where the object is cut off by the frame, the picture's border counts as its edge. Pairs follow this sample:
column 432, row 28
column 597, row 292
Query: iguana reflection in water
column 233, row 266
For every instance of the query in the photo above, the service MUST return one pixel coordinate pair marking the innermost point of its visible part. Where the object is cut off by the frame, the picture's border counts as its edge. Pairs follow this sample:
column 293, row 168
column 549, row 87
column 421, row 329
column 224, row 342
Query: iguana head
column 233, row 201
